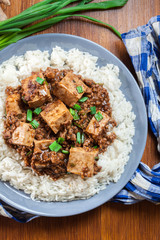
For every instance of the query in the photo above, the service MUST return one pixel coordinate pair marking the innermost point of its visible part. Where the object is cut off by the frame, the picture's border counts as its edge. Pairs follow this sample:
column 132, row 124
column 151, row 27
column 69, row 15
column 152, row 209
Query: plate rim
column 39, row 213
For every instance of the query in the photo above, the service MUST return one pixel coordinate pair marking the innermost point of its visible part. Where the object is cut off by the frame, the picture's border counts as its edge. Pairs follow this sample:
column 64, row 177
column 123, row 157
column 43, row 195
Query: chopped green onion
column 77, row 107
column 96, row 158
column 55, row 147
column 39, row 80
column 79, row 89
column 65, row 152
column 29, row 115
column 46, row 82
column 34, row 124
column 83, row 99
column 37, row 111
column 23, row 99
column 78, row 125
column 98, row 116
column 82, row 138
column 28, row 153
column 79, row 137
column 74, row 114
column 93, row 110
column 60, row 140
column 95, row 147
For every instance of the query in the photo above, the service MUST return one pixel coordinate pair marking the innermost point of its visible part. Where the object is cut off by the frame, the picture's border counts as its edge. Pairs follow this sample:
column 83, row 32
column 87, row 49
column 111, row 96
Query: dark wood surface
column 111, row 221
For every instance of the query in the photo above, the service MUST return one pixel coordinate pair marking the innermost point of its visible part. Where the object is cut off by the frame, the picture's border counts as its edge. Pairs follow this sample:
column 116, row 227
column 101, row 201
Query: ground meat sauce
column 33, row 145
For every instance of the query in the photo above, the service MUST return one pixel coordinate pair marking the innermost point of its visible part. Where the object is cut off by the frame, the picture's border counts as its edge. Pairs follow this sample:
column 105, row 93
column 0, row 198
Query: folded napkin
column 143, row 46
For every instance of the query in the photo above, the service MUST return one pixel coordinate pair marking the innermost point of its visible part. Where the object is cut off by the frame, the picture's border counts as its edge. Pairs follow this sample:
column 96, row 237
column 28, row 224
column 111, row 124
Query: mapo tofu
column 35, row 93
column 81, row 162
column 23, row 135
column 64, row 123
column 70, row 89
column 56, row 114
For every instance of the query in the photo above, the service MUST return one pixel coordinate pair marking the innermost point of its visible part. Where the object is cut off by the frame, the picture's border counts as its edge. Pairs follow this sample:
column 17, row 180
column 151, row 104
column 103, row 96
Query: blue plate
column 19, row 199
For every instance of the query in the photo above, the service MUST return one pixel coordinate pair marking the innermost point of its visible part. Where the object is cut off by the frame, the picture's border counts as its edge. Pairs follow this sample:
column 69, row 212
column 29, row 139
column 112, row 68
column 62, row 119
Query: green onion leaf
column 39, row 80
column 55, row 146
column 29, row 115
column 74, row 114
column 34, row 124
column 78, row 125
column 83, row 99
column 93, row 110
column 60, row 140
column 77, row 107
column 23, row 99
column 79, row 89
column 82, row 139
column 79, row 137
column 98, row 116
column 37, row 111
column 96, row 158
column 95, row 147
column 28, row 153
column 65, row 152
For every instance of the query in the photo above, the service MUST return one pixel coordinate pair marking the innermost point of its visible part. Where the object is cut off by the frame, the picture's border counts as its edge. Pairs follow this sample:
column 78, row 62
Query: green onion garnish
column 65, row 152
column 79, row 137
column 28, row 153
column 95, row 147
column 23, row 99
column 55, row 147
column 60, row 140
column 78, row 125
column 77, row 107
column 29, row 115
column 46, row 82
column 40, row 80
column 34, row 124
column 79, row 89
column 83, row 99
column 98, row 116
column 96, row 158
column 93, row 110
column 82, row 138
column 37, row 111
column 74, row 114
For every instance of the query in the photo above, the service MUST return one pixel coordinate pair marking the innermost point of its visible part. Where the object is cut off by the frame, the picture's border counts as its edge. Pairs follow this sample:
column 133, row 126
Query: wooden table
column 110, row 221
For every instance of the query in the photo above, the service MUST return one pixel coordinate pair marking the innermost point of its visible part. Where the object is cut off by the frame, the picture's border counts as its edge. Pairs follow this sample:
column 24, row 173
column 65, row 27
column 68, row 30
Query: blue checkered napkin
column 143, row 46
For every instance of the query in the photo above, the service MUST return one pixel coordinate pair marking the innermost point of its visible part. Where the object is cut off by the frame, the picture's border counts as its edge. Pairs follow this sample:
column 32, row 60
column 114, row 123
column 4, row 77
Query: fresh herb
column 93, row 110
column 95, row 147
column 46, row 82
column 79, row 89
column 96, row 158
column 77, row 107
column 98, row 116
column 78, row 125
column 83, row 99
column 55, row 146
column 34, row 124
column 82, row 138
column 79, row 137
column 29, row 115
column 65, row 151
column 74, row 114
column 16, row 28
column 28, row 153
column 39, row 80
column 23, row 99
column 60, row 140
column 37, row 111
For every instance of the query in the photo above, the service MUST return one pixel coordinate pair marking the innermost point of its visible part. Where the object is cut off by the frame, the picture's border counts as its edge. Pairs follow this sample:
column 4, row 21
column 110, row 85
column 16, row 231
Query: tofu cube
column 56, row 114
column 43, row 144
column 12, row 104
column 81, row 162
column 34, row 93
column 94, row 127
column 66, row 89
column 23, row 135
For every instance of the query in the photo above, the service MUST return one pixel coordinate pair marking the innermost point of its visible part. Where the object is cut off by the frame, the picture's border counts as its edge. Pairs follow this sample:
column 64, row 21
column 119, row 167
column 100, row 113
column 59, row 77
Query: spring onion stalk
column 83, row 99
column 34, row 124
column 39, row 80
column 55, row 146
column 29, row 115
column 14, row 29
column 37, row 111
column 98, row 116
column 60, row 140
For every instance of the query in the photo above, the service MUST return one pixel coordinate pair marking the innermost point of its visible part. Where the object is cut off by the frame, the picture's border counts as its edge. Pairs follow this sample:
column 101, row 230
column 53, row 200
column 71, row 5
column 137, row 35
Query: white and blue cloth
column 143, row 46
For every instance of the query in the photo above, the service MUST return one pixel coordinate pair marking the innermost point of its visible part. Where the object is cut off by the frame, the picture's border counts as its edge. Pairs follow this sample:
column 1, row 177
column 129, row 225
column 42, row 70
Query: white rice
column 70, row 187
